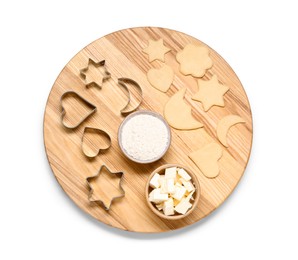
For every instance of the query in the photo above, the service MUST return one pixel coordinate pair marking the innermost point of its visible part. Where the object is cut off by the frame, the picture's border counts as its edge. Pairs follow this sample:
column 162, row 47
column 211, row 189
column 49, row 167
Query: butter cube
column 170, row 185
column 159, row 206
column 154, row 182
column 171, row 173
column 179, row 193
column 161, row 179
column 168, row 207
column 157, row 197
column 163, row 184
column 183, row 206
column 187, row 184
column 151, row 194
column 178, row 184
column 189, row 196
column 182, row 173
column 168, row 211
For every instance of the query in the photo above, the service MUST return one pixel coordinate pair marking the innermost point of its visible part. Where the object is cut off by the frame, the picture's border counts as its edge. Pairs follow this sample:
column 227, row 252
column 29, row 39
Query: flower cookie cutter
column 122, row 82
column 99, row 132
column 91, row 191
column 75, row 95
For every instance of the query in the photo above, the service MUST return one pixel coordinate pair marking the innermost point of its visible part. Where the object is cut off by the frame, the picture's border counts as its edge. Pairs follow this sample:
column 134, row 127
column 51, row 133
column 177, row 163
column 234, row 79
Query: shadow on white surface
column 151, row 236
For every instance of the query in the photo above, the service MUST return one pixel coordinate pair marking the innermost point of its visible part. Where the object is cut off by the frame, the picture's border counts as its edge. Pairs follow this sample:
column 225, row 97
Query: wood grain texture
column 122, row 51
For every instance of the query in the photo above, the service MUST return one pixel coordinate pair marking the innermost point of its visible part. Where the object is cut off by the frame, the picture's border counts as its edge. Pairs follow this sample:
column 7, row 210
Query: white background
column 257, row 38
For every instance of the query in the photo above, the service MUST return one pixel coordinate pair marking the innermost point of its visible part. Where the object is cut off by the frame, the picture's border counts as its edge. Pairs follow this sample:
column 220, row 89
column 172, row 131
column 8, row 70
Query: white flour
column 144, row 137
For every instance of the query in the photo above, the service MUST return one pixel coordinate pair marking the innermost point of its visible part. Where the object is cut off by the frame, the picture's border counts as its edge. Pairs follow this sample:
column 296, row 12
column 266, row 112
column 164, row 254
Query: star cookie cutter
column 122, row 82
column 98, row 132
column 89, row 179
column 85, row 101
column 99, row 64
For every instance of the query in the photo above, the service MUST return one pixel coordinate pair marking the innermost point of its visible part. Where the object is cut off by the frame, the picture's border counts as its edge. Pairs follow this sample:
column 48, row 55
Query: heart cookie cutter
column 99, row 64
column 97, row 131
column 122, row 82
column 120, row 175
column 85, row 101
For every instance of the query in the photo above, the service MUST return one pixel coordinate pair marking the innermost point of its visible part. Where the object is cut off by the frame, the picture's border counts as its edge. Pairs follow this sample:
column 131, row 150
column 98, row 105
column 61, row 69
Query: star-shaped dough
column 105, row 186
column 194, row 60
column 210, row 93
column 95, row 73
column 156, row 50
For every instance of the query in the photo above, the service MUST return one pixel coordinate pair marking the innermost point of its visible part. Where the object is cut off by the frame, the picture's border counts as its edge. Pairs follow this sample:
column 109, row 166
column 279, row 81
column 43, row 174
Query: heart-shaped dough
column 207, row 158
column 95, row 140
column 161, row 78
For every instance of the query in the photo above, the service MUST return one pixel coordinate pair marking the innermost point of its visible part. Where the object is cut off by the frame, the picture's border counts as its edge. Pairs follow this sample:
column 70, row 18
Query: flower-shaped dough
column 194, row 60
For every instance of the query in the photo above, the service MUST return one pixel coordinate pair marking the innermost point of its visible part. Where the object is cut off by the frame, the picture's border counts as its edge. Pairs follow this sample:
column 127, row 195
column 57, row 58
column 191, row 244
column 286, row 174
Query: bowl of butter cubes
column 172, row 191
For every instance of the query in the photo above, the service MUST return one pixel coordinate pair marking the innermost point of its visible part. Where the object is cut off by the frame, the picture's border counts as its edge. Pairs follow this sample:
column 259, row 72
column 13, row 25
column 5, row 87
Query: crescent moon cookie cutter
column 89, row 81
column 99, row 149
column 122, row 82
column 75, row 95
column 120, row 175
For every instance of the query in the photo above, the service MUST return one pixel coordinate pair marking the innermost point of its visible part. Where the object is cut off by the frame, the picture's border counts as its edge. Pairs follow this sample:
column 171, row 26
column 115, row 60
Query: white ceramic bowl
column 142, row 112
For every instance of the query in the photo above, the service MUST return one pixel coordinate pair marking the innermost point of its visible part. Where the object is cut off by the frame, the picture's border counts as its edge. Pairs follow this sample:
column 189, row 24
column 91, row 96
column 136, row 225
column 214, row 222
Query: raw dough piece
column 224, row 126
column 178, row 113
column 207, row 158
column 194, row 60
column 156, row 50
column 210, row 93
column 162, row 78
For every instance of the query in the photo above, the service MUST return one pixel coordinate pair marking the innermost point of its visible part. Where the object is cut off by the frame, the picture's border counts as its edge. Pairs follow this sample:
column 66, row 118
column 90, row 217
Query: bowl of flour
column 144, row 136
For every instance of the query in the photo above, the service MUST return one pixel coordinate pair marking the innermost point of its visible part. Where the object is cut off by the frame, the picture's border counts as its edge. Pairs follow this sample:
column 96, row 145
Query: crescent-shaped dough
column 178, row 114
column 224, row 125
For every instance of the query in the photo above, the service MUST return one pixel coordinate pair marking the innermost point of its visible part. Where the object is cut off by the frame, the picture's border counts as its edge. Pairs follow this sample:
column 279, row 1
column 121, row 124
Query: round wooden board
column 123, row 54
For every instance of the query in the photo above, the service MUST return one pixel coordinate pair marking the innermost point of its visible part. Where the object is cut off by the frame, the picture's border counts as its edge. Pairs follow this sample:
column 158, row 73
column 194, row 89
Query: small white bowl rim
column 148, row 112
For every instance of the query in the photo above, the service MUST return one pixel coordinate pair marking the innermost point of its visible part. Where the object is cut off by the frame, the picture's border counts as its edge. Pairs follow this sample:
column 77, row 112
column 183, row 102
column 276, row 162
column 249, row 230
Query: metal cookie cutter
column 122, row 82
column 89, row 179
column 90, row 81
column 77, row 96
column 98, row 132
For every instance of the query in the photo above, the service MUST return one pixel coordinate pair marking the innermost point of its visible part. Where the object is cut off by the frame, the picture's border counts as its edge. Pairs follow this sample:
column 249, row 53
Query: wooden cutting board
column 123, row 54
